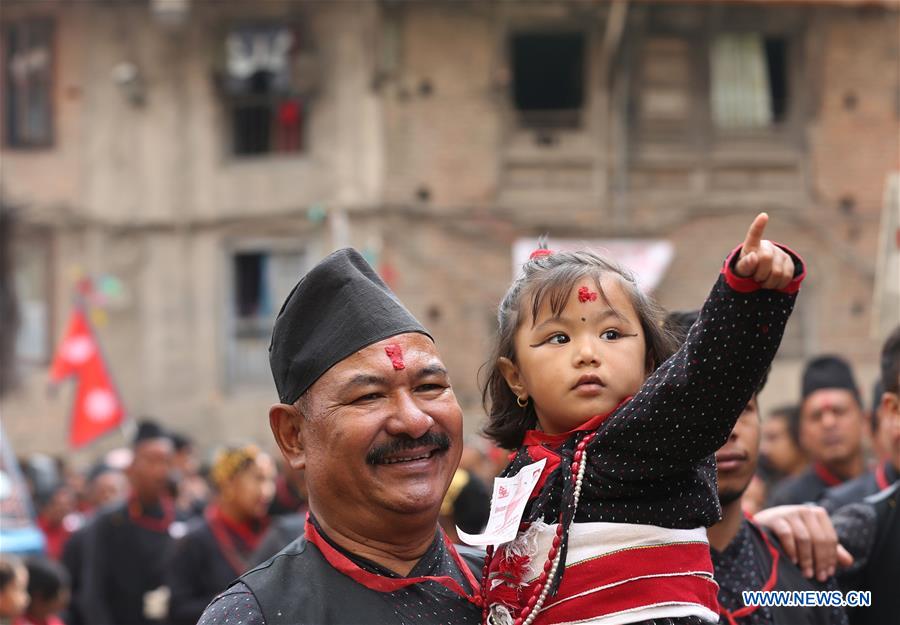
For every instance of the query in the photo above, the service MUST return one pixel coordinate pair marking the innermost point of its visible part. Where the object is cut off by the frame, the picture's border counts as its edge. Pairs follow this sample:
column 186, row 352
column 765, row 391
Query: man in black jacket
column 887, row 471
column 831, row 432
column 367, row 411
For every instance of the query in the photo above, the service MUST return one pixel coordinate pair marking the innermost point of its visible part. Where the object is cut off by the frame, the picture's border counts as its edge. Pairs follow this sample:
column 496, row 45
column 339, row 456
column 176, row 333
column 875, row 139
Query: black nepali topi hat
column 340, row 307
column 829, row 372
column 147, row 429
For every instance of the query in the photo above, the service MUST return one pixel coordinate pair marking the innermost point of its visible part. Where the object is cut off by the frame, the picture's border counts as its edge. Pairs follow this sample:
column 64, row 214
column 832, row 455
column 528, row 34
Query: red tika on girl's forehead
column 586, row 295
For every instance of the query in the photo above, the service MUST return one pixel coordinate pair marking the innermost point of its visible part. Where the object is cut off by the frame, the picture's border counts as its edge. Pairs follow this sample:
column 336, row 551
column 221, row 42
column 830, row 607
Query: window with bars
column 28, row 83
column 265, row 108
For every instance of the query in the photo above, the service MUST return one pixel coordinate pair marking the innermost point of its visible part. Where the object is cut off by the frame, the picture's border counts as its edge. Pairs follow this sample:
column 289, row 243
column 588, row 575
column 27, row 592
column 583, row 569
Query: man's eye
column 365, row 398
column 431, row 387
column 558, row 339
column 611, row 335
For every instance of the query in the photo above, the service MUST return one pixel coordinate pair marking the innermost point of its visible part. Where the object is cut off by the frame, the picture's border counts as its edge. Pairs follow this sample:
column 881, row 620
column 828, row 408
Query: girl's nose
column 587, row 353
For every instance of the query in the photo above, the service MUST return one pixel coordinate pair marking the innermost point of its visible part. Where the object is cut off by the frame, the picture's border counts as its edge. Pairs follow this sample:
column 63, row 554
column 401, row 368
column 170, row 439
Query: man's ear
column 513, row 377
column 285, row 421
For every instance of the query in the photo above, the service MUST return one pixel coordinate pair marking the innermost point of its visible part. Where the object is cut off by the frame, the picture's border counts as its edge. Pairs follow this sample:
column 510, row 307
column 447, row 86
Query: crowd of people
column 663, row 489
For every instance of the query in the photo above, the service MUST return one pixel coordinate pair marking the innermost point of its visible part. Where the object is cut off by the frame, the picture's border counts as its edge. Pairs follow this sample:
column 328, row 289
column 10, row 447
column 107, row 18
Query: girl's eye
column 611, row 335
column 558, row 339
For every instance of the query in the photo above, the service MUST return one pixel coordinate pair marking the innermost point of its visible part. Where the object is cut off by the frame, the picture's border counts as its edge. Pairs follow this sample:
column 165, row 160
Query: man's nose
column 407, row 417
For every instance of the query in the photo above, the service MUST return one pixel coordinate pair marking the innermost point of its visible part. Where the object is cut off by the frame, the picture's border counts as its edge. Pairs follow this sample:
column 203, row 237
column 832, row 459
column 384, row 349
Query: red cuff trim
column 749, row 285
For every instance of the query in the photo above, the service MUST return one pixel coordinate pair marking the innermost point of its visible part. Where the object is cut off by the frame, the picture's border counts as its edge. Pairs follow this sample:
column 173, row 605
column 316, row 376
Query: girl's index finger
column 755, row 234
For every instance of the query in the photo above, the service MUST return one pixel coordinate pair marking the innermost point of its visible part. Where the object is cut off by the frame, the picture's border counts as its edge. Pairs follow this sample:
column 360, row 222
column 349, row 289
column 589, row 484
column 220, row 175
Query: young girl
column 614, row 530
column 48, row 589
column 13, row 588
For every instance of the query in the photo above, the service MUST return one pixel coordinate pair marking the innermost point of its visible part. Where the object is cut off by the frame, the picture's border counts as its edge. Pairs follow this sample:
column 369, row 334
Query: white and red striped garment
column 620, row 573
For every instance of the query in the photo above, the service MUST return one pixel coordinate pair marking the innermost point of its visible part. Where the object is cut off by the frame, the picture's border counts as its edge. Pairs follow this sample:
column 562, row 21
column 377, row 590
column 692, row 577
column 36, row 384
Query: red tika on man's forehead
column 395, row 353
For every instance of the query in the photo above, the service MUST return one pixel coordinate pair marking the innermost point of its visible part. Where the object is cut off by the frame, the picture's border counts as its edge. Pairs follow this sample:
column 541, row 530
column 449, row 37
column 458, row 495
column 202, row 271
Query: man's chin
column 730, row 495
column 415, row 504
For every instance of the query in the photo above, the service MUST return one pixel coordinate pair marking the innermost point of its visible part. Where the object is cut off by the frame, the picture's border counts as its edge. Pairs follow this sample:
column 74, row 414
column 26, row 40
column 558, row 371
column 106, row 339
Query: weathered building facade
column 194, row 158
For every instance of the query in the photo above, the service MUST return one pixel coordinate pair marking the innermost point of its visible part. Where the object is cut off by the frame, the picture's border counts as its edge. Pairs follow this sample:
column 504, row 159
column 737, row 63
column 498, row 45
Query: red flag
column 98, row 408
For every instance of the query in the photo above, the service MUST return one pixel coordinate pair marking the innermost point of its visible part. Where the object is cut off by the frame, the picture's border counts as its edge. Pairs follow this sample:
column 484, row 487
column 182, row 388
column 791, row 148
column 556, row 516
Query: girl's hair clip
column 542, row 249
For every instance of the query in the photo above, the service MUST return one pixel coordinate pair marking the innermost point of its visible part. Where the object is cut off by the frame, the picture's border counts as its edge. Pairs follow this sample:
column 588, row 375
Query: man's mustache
column 402, row 443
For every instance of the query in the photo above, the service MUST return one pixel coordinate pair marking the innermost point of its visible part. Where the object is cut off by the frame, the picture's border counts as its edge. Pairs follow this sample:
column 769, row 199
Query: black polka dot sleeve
column 686, row 409
column 235, row 606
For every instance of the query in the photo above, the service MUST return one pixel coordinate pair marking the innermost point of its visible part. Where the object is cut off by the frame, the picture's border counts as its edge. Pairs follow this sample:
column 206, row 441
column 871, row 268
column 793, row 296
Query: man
column 124, row 549
column 779, row 448
column 871, row 527
column 888, row 431
column 367, row 411
column 105, row 486
column 832, row 423
column 187, row 486
column 746, row 557
column 57, row 518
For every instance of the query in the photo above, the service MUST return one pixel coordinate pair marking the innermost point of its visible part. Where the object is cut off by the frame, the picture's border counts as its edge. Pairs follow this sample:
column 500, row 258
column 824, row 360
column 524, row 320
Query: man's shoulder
column 850, row 492
column 797, row 489
column 294, row 555
column 237, row 604
column 113, row 515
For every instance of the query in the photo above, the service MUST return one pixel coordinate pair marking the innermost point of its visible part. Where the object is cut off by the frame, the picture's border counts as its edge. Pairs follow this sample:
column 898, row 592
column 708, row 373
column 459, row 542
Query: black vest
column 299, row 587
column 790, row 578
column 882, row 573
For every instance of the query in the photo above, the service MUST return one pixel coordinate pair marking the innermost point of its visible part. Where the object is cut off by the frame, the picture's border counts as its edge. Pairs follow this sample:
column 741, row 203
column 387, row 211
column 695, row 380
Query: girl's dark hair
column 46, row 578
column 8, row 566
column 550, row 279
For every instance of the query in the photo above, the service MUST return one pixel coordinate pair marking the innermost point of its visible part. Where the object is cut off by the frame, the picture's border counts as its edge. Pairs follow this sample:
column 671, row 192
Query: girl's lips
column 589, row 380
column 589, row 390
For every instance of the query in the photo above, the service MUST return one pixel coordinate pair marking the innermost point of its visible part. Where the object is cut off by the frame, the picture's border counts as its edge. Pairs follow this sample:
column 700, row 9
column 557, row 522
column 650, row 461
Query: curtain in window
column 741, row 94
column 28, row 53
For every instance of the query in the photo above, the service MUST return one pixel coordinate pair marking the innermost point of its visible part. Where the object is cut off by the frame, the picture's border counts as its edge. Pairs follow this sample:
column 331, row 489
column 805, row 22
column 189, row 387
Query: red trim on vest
column 749, row 285
column 537, row 437
column 684, row 558
column 380, row 583
column 825, row 475
column 539, row 445
column 219, row 525
column 631, row 595
column 732, row 617
column 136, row 513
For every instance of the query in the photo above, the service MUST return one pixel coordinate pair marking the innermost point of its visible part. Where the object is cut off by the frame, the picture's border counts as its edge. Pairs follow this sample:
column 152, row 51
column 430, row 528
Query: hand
column 808, row 538
column 156, row 603
column 768, row 265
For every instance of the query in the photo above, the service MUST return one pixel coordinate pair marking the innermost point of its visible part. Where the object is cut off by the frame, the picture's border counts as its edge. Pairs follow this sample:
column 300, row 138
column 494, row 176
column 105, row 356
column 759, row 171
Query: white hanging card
column 507, row 507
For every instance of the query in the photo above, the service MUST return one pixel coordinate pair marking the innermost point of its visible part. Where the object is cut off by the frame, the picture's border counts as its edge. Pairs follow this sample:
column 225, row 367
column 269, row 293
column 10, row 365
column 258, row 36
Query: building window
column 263, row 98
column 28, row 54
column 31, row 275
column 749, row 86
column 548, row 78
column 261, row 278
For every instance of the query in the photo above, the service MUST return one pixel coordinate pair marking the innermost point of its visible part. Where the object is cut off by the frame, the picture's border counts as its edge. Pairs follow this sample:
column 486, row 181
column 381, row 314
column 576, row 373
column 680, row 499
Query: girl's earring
column 522, row 401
